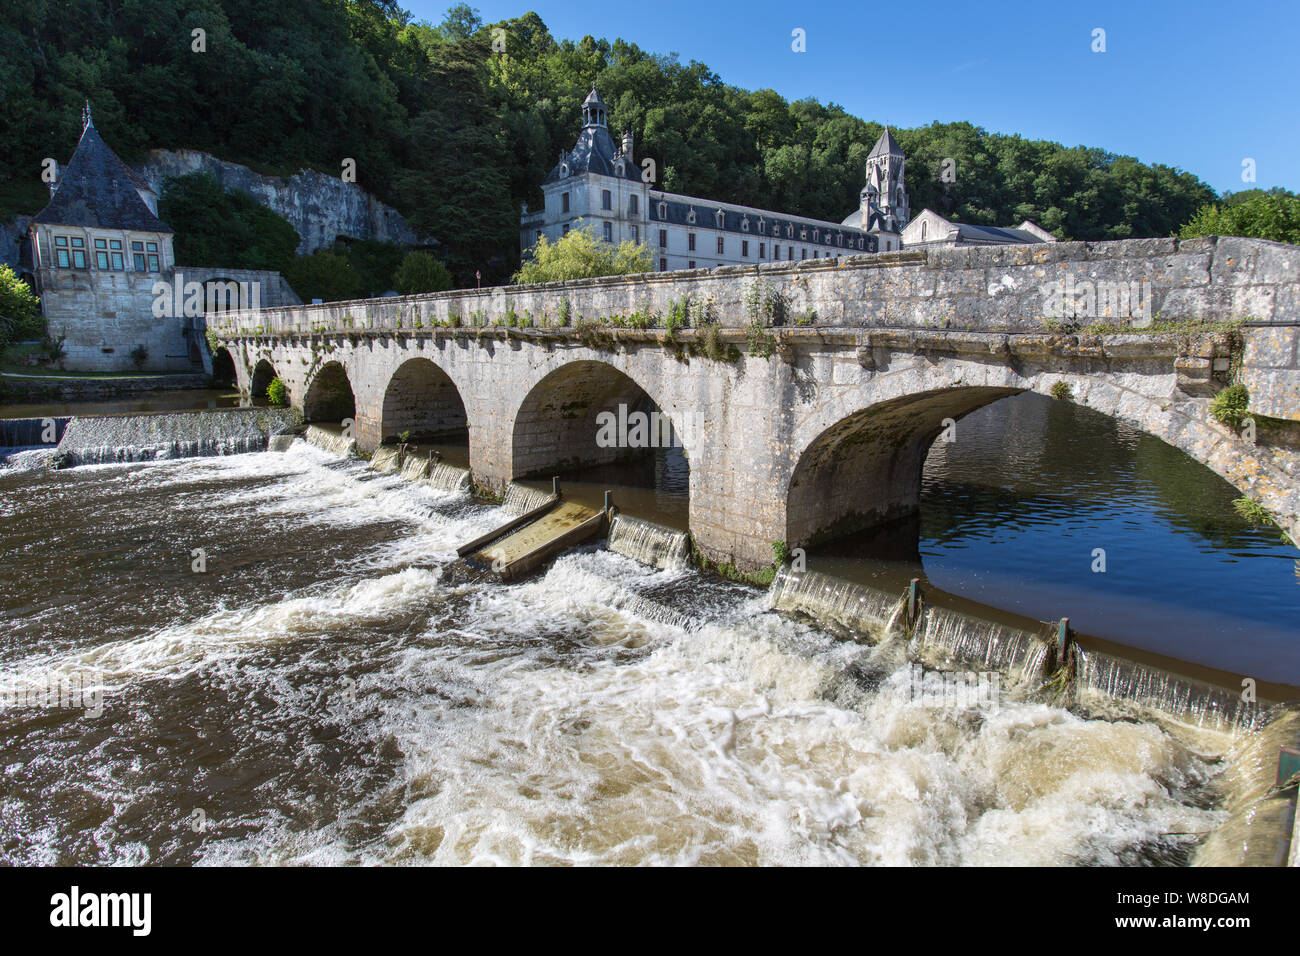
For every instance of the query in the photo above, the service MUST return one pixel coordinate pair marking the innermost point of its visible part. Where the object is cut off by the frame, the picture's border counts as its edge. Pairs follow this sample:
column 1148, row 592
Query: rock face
column 12, row 235
column 320, row 207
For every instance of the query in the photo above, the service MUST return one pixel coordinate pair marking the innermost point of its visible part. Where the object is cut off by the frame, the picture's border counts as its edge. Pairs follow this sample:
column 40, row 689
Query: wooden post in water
column 1064, row 638
column 609, row 500
column 913, row 602
column 555, row 485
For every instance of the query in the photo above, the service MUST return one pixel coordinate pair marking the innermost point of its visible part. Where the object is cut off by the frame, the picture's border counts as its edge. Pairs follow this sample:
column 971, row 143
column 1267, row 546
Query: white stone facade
column 599, row 187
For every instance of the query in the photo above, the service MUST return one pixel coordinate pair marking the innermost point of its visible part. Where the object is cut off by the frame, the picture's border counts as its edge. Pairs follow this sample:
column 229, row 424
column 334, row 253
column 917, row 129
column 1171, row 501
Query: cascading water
column 946, row 637
column 650, row 543
column 386, row 459
column 863, row 610
column 520, row 499
column 415, row 468
column 331, row 438
column 448, row 477
column 1258, row 813
column 1110, row 679
column 128, row 438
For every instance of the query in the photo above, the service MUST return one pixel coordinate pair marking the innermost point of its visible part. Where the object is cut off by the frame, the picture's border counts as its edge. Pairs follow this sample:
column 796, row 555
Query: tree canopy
column 457, row 135
column 578, row 254
column 1254, row 213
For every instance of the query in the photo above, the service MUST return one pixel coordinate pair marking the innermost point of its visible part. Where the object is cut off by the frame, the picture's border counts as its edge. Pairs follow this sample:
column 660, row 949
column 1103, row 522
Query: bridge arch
column 422, row 399
column 223, row 368
column 263, row 374
column 589, row 413
column 865, row 469
column 861, row 453
column 329, row 396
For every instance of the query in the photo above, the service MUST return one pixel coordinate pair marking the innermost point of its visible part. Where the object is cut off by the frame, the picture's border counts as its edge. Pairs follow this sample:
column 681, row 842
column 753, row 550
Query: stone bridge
column 806, row 396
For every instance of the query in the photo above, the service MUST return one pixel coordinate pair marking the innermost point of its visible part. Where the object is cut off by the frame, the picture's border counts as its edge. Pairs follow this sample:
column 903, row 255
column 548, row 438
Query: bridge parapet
column 1070, row 285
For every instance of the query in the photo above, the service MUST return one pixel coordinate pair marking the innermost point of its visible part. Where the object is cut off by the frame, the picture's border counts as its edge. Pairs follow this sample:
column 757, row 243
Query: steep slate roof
column 994, row 234
column 594, row 153
column 886, row 146
column 97, row 190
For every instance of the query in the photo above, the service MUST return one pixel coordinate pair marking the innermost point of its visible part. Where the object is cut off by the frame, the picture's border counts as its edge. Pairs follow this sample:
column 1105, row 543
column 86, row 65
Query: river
column 295, row 670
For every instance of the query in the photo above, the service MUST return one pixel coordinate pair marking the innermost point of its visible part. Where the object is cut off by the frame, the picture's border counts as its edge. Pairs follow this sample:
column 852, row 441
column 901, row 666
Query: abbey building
column 598, row 185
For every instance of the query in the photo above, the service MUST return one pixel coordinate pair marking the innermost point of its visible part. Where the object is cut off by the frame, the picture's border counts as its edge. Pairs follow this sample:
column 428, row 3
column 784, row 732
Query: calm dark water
column 1016, row 509
column 177, row 400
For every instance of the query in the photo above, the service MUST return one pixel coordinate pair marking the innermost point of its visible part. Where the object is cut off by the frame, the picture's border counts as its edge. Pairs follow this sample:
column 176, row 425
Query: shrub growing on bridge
column 276, row 393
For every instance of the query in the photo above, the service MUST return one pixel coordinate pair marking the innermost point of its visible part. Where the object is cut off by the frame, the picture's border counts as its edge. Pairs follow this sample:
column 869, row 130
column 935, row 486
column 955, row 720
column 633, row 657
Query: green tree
column 1255, row 214
column 323, row 275
column 421, row 272
column 580, row 255
column 20, row 316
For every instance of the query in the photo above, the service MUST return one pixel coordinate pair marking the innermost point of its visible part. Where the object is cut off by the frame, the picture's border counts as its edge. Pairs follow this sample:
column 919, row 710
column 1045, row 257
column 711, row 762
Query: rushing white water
column 601, row 712
column 26, row 459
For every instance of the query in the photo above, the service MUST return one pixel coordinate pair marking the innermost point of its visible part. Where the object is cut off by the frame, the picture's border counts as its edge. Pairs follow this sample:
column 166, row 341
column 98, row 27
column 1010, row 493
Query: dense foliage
column 228, row 228
column 1254, row 213
column 457, row 135
column 20, row 318
column 324, row 275
column 421, row 272
column 578, row 254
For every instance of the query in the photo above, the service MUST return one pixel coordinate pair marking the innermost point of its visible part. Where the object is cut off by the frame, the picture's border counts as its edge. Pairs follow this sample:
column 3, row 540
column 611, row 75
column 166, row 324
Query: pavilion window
column 61, row 256
column 137, row 256
column 78, row 253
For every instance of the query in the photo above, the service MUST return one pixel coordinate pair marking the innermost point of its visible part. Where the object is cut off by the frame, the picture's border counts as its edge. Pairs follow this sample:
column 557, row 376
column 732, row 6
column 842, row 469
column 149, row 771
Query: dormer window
column 564, row 170
column 663, row 210
column 762, row 225
column 618, row 170
column 744, row 224
column 720, row 218
column 690, row 215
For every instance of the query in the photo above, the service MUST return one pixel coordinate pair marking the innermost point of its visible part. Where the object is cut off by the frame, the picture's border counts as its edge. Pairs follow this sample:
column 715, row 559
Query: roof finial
column 86, row 121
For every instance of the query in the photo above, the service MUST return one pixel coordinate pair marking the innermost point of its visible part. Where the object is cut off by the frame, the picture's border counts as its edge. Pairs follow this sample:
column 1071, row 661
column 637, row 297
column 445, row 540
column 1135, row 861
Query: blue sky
column 1196, row 85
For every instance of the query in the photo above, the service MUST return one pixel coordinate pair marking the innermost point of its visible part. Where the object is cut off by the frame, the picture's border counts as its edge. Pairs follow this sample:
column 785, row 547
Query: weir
column 945, row 637
column 650, row 543
column 1181, row 699
column 94, row 440
column 31, row 432
column 330, row 439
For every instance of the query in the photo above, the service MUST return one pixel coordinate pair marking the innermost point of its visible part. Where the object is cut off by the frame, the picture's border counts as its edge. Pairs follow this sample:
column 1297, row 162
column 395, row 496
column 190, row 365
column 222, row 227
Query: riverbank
column 23, row 388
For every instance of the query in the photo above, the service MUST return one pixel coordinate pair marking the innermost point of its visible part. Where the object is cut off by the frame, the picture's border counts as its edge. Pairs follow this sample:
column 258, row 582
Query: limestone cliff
column 320, row 207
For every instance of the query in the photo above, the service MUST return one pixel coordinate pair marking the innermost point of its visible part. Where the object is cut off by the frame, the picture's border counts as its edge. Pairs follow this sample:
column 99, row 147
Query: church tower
column 884, row 198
